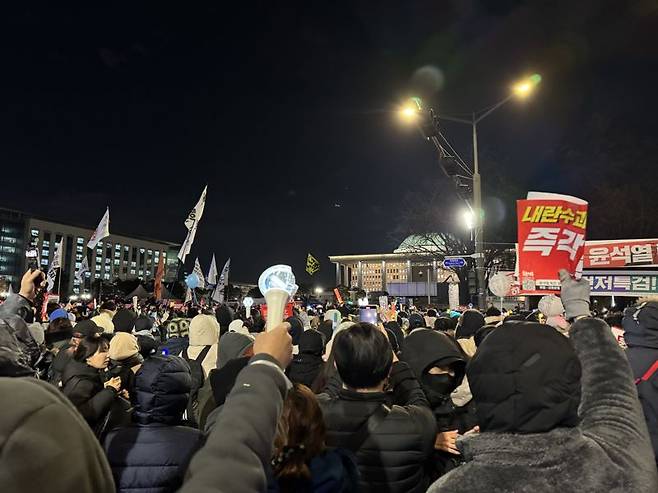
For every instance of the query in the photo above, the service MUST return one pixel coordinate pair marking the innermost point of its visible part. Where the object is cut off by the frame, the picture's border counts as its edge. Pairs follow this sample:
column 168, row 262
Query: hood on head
column 525, row 378
column 640, row 324
column 232, row 345
column 123, row 346
column 224, row 316
column 204, row 330
column 426, row 348
column 469, row 322
column 397, row 331
column 311, row 342
column 162, row 390
column 551, row 306
column 143, row 322
column 238, row 326
column 326, row 328
column 296, row 329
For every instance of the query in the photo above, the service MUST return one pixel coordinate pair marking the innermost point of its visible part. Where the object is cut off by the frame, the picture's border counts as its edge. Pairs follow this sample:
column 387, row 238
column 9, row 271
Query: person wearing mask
column 440, row 366
column 125, row 359
column 307, row 364
column 555, row 413
column 45, row 443
column 301, row 461
column 154, row 451
column 204, row 338
column 392, row 433
column 104, row 319
column 640, row 325
column 83, row 384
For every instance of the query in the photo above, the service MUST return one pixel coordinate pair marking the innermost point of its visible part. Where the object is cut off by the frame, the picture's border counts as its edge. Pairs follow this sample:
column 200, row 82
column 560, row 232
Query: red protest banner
column 620, row 253
column 551, row 234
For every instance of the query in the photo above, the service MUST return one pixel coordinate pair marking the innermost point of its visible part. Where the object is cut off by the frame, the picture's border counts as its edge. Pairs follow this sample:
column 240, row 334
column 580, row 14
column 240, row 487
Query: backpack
column 197, row 382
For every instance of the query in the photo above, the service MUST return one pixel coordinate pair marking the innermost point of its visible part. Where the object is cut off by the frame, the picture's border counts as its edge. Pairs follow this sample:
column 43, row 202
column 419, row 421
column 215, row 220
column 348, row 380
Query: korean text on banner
column 551, row 232
column 621, row 253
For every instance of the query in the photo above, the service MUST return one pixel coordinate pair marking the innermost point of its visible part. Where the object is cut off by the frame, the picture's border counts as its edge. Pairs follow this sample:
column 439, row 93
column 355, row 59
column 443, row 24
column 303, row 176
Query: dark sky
column 285, row 110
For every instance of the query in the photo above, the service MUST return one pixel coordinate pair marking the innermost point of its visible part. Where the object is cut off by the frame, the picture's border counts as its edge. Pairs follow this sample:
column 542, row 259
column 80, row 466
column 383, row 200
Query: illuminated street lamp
column 410, row 113
column 318, row 290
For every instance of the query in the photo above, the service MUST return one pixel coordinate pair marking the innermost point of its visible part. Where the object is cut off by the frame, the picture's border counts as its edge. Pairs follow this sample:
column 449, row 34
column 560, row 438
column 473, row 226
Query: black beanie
column 124, row 320
column 311, row 342
column 470, row 321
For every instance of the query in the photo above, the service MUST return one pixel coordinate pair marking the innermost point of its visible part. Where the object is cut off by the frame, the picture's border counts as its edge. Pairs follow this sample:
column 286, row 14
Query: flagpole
column 59, row 284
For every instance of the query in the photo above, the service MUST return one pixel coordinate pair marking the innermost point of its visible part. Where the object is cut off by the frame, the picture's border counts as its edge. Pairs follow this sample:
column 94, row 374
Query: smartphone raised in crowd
column 368, row 315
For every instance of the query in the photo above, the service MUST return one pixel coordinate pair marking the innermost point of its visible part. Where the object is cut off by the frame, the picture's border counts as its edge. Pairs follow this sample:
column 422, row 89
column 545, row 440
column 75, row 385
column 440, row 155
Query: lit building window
column 99, row 260
column 79, row 249
column 107, row 260
column 76, row 282
column 148, row 272
column 141, row 272
column 142, row 250
column 150, row 252
column 100, row 243
column 98, row 268
column 99, row 252
column 34, row 232
column 80, row 240
column 106, row 277
column 117, row 254
column 126, row 248
column 78, row 256
column 117, row 246
column 132, row 271
column 45, row 243
column 76, row 290
column 44, row 252
column 117, row 261
column 77, row 265
column 97, row 275
column 164, row 254
column 44, row 261
column 133, row 264
column 107, row 268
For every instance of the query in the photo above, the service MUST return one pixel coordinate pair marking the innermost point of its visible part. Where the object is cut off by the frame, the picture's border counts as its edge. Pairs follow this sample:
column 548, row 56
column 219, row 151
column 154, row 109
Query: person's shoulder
column 461, row 479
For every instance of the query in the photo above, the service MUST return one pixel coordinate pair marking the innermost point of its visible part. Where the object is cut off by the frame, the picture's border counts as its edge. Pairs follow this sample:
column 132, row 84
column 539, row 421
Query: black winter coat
column 641, row 335
column 151, row 458
column 392, row 457
column 83, row 385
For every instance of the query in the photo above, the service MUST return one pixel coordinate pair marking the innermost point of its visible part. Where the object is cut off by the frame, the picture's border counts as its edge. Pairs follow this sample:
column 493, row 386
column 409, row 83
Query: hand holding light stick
column 277, row 283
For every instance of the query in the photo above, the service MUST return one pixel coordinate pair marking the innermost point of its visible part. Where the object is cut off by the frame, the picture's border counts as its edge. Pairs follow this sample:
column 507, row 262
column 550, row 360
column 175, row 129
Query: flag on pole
column 157, row 289
column 312, row 264
column 54, row 265
column 82, row 270
column 102, row 231
column 191, row 223
column 212, row 273
column 199, row 273
column 188, row 295
column 218, row 295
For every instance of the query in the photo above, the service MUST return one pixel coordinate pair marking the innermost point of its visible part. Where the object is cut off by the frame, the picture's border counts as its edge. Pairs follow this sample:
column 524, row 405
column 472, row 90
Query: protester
column 440, row 366
column 392, row 434
column 82, row 382
column 238, row 326
column 640, row 325
column 296, row 329
column 125, row 359
column 469, row 323
column 396, row 330
column 301, row 462
column 238, row 451
column 104, row 319
column 492, row 316
column 178, row 339
column 430, row 317
column 416, row 321
column 224, row 316
column 154, row 452
column 551, row 307
column 64, row 354
column 307, row 364
column 527, row 385
column 327, row 330
column 204, row 337
column 45, row 444
column 482, row 333
column 446, row 325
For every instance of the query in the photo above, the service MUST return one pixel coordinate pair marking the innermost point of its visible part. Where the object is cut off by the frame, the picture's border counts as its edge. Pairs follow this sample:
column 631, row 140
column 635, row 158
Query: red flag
column 158, row 279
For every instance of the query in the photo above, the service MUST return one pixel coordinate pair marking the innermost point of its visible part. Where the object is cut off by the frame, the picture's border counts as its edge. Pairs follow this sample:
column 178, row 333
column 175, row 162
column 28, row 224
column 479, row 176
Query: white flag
column 212, row 273
column 54, row 265
column 199, row 273
column 218, row 295
column 102, row 231
column 82, row 270
column 188, row 295
column 191, row 223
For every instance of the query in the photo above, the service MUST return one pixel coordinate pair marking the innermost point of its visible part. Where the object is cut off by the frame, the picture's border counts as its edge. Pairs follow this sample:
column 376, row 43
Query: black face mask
column 437, row 387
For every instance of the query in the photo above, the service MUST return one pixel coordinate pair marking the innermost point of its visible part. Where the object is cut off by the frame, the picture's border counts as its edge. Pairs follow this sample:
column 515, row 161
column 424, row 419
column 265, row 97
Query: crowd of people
column 205, row 400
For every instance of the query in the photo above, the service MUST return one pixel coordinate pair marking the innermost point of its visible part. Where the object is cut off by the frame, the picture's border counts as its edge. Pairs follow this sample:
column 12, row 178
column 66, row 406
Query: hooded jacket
column 204, row 331
column 393, row 454
column 104, row 319
column 308, row 363
column 153, row 453
column 82, row 384
column 424, row 349
column 45, row 445
column 19, row 351
column 641, row 333
column 607, row 449
column 232, row 346
column 125, row 359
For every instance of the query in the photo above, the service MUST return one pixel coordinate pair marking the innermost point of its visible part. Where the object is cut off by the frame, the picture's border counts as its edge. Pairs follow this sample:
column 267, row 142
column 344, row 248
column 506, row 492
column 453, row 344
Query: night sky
column 286, row 111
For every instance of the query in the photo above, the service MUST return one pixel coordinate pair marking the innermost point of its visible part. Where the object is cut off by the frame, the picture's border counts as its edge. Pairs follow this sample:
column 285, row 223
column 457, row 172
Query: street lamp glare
column 469, row 219
column 318, row 290
column 525, row 87
column 409, row 114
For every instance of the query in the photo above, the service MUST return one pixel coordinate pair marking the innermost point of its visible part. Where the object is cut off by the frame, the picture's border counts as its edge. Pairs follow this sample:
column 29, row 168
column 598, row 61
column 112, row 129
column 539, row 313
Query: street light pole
column 478, row 230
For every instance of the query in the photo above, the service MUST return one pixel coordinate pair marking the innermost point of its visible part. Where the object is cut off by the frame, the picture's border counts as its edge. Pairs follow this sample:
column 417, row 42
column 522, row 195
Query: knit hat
column 143, row 323
column 124, row 320
column 59, row 313
column 551, row 306
column 469, row 322
column 123, row 346
column 232, row 345
column 204, row 330
column 87, row 328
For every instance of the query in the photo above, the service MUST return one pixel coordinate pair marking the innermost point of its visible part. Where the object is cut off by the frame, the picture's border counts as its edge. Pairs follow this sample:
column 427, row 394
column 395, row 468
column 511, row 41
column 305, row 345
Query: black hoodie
column 306, row 365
